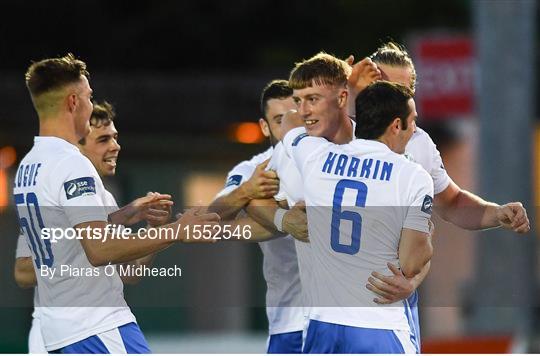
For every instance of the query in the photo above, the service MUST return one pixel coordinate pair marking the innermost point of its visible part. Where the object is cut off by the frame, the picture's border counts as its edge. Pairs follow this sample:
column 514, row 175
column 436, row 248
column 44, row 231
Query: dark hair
column 321, row 69
column 102, row 115
column 395, row 55
column 54, row 73
column 378, row 105
column 276, row 89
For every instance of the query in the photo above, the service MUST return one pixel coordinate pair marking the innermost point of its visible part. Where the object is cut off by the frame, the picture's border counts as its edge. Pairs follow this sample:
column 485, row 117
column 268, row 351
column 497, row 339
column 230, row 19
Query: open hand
column 390, row 289
column 153, row 207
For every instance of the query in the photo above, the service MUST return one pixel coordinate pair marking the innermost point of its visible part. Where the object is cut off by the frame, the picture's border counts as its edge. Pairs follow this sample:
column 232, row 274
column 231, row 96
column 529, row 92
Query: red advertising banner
column 445, row 70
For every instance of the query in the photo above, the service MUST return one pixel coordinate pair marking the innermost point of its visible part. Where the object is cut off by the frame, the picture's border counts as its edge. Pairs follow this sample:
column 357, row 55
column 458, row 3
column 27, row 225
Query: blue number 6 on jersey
column 338, row 214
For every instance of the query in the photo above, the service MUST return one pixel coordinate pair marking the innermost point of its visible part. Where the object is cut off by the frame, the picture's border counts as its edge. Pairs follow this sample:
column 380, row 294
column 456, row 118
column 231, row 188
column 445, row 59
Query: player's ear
column 264, row 127
column 71, row 102
column 342, row 98
column 396, row 125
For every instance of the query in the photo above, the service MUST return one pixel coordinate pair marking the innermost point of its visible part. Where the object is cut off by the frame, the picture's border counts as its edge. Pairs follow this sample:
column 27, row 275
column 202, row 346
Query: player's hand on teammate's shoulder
column 295, row 222
column 194, row 223
column 362, row 75
column 513, row 216
column 263, row 184
column 154, row 208
column 390, row 289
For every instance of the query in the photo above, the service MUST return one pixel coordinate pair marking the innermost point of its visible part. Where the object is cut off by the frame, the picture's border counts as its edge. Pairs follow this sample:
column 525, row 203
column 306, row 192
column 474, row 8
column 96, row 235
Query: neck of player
column 345, row 132
column 56, row 127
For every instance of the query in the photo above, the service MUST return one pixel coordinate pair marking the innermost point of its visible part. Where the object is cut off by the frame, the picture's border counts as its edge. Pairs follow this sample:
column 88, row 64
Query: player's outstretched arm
column 241, row 226
column 24, row 273
column 261, row 185
column 470, row 212
column 415, row 251
column 113, row 250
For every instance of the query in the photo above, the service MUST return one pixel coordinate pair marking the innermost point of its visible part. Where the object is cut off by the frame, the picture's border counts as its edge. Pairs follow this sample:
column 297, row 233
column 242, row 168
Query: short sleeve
column 238, row 175
column 23, row 250
column 440, row 177
column 81, row 191
column 423, row 151
column 420, row 197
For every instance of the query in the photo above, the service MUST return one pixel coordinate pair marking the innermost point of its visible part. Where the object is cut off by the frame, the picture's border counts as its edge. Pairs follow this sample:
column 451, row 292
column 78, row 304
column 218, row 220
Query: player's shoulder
column 56, row 162
column 421, row 137
column 371, row 149
column 295, row 138
column 75, row 162
column 261, row 157
column 62, row 154
column 413, row 170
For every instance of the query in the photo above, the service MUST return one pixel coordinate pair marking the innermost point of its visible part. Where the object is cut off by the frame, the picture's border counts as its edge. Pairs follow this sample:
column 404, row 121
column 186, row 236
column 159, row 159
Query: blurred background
column 185, row 79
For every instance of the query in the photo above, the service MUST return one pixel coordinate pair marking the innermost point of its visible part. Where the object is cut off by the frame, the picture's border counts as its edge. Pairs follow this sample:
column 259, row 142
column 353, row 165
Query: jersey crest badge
column 80, row 187
column 233, row 180
column 427, row 205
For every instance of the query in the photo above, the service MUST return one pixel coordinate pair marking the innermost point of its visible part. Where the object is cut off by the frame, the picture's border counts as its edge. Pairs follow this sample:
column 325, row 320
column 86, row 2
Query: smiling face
column 101, row 148
column 321, row 106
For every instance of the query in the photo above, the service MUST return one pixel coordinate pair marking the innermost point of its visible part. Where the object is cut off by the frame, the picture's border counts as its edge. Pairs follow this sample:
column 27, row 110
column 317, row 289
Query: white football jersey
column 36, row 345
column 359, row 197
column 57, row 187
column 280, row 268
column 291, row 188
column 422, row 150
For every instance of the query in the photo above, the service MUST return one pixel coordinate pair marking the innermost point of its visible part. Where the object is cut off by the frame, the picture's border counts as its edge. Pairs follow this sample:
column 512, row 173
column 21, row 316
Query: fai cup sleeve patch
column 80, row 187
column 299, row 138
column 233, row 180
column 427, row 205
